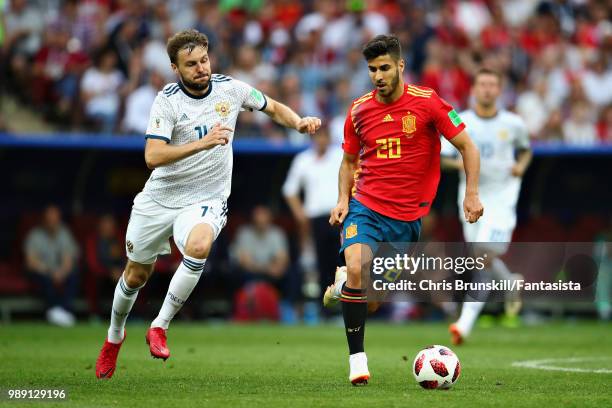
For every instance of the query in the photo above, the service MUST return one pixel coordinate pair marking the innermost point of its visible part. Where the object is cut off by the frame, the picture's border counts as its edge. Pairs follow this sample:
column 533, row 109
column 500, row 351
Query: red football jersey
column 399, row 150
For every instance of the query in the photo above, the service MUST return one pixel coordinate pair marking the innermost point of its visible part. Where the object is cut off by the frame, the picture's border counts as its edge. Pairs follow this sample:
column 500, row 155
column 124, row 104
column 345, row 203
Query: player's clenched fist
column 308, row 124
column 472, row 208
column 219, row 135
column 338, row 214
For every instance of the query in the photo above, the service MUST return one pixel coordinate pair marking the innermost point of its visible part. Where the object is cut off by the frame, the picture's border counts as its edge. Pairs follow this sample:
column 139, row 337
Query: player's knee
column 135, row 279
column 353, row 269
column 197, row 249
column 136, row 275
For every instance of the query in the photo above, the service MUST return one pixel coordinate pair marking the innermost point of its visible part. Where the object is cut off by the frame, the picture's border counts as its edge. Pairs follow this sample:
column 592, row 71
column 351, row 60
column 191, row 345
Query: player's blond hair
column 187, row 39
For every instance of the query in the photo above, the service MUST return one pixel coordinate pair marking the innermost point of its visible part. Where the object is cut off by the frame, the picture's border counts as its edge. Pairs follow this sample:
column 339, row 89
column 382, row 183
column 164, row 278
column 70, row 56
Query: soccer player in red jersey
column 388, row 178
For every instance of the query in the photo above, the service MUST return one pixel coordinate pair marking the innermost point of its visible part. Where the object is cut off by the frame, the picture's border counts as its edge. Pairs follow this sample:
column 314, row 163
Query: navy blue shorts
column 365, row 226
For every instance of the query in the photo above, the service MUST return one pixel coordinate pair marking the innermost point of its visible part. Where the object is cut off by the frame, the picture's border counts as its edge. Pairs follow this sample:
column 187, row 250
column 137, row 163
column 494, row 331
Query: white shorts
column 484, row 232
column 151, row 225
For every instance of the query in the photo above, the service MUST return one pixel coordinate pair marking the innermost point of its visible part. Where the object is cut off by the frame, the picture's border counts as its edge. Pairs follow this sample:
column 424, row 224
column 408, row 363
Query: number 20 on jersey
column 389, row 148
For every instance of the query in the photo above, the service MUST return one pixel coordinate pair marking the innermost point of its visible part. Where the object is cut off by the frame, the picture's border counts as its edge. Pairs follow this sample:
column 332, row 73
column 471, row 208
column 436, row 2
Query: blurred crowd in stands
column 63, row 263
column 96, row 65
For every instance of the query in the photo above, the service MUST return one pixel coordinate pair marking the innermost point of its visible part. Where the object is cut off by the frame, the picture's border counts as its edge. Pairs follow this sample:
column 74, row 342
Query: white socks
column 469, row 313
column 471, row 310
column 473, row 304
column 123, row 300
column 184, row 280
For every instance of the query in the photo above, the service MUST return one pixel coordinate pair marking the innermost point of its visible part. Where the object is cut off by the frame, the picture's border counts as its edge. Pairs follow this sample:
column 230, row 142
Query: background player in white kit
column 503, row 141
column 188, row 145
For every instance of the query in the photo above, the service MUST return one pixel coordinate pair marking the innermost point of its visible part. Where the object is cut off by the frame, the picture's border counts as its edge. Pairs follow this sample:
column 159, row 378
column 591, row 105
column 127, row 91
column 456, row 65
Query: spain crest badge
column 351, row 231
column 409, row 124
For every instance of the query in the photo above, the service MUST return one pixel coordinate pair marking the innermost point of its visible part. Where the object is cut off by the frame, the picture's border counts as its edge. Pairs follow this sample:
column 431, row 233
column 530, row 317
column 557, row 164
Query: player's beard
column 486, row 103
column 393, row 85
column 487, row 100
column 196, row 86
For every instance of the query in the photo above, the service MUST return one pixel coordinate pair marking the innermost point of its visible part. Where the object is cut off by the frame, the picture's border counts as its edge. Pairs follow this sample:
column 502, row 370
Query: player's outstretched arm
column 285, row 116
column 345, row 185
column 472, row 207
column 159, row 153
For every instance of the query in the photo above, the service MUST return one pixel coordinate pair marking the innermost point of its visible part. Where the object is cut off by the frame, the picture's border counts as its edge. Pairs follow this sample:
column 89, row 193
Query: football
column 436, row 367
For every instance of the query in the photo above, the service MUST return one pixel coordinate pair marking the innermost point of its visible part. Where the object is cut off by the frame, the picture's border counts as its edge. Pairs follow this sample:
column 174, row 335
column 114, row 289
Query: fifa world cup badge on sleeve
column 454, row 118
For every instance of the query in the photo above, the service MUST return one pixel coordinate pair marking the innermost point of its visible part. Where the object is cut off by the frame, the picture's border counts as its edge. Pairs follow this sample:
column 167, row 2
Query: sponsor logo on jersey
column 157, row 123
column 129, row 246
column 409, row 124
column 351, row 231
column 454, row 118
column 223, row 109
column 387, row 118
column 184, row 117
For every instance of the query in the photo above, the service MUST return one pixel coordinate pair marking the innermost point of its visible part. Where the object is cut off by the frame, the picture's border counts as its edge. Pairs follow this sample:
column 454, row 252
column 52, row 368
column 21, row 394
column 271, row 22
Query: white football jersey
column 179, row 117
column 497, row 139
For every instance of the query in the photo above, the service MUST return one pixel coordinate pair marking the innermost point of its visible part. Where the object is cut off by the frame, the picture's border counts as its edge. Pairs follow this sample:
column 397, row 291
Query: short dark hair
column 381, row 45
column 187, row 39
column 488, row 71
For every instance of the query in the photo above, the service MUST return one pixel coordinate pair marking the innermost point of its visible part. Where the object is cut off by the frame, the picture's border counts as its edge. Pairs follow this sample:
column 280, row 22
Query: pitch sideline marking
column 546, row 364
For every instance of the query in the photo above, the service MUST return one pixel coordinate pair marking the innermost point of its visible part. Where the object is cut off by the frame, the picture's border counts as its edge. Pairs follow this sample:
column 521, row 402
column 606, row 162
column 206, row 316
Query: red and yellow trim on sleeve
column 418, row 91
column 356, row 103
column 362, row 99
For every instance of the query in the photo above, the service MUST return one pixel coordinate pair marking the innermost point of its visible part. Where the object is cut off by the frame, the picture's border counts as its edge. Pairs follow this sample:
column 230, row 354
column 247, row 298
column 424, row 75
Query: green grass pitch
column 273, row 366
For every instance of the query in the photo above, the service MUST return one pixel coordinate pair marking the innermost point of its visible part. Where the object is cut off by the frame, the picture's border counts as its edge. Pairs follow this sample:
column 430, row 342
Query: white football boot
column 332, row 294
column 359, row 374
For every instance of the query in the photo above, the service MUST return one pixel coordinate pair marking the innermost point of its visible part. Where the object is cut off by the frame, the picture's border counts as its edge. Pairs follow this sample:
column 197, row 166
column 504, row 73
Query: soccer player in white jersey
column 189, row 146
column 503, row 141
